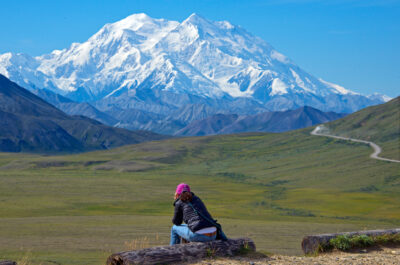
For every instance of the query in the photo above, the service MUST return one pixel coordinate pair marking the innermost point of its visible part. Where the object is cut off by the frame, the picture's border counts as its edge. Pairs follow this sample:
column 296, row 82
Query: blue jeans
column 183, row 230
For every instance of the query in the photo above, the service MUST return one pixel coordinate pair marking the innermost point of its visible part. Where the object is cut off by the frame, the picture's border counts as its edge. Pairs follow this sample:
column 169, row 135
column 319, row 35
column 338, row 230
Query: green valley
column 275, row 188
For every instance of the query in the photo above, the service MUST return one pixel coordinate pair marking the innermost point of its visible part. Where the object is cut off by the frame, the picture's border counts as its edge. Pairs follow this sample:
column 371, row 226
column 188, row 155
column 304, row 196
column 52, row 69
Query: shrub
column 245, row 249
column 211, row 253
column 387, row 239
column 341, row 242
column 344, row 242
column 361, row 241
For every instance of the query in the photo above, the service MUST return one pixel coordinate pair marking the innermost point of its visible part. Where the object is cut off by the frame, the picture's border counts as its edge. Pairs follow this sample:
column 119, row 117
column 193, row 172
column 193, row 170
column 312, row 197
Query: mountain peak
column 140, row 16
column 197, row 57
column 133, row 22
column 196, row 19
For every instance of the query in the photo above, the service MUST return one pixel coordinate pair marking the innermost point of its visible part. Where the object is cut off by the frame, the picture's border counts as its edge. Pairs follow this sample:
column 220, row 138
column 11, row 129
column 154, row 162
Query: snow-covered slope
column 141, row 61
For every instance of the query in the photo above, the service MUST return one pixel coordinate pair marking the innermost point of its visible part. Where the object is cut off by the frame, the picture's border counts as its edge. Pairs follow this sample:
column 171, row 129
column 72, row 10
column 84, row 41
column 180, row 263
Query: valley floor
column 384, row 256
column 274, row 188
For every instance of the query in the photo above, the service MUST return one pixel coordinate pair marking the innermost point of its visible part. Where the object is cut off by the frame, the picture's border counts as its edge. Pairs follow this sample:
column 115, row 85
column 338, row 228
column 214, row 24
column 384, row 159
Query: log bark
column 311, row 244
column 7, row 262
column 182, row 252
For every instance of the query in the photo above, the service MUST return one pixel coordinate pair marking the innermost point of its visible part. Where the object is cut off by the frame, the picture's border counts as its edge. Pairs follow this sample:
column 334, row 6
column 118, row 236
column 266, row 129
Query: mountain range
column 160, row 75
column 277, row 121
column 195, row 119
column 29, row 124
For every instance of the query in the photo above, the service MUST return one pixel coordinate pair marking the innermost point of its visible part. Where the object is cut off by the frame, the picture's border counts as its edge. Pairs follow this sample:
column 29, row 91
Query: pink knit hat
column 181, row 188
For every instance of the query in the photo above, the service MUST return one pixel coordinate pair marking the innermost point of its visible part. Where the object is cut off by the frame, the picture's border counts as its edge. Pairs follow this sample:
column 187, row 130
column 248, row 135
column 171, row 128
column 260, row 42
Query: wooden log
column 311, row 244
column 7, row 262
column 182, row 252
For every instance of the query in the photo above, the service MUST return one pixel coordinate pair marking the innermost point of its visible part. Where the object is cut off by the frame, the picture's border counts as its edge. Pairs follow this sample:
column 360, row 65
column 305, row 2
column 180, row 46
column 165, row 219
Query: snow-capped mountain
column 160, row 66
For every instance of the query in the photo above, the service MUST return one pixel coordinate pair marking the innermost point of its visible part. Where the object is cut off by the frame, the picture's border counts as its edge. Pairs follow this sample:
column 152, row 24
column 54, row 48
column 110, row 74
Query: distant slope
column 29, row 124
column 379, row 124
column 74, row 108
column 193, row 119
column 279, row 121
column 211, row 125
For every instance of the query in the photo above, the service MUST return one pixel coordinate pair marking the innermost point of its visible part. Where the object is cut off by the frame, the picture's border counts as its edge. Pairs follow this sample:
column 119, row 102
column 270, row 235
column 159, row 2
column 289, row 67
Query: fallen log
column 311, row 244
column 183, row 252
column 8, row 262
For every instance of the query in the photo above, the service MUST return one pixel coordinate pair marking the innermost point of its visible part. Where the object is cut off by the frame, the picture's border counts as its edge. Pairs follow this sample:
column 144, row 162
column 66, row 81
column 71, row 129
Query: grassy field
column 379, row 124
column 275, row 188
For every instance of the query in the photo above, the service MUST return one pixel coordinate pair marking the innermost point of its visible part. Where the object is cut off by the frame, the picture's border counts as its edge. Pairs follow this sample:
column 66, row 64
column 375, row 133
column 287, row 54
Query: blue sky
column 354, row 43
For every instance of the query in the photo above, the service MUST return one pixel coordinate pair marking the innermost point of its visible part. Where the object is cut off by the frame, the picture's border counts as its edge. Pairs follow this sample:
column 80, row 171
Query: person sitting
column 191, row 210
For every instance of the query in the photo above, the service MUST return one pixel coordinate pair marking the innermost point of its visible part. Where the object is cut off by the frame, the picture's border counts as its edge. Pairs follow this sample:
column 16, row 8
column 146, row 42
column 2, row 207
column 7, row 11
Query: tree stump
column 311, row 244
column 7, row 262
column 183, row 252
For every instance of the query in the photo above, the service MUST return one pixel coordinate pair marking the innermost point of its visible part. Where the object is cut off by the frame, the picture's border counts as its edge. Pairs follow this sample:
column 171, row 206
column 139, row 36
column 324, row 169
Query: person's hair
column 186, row 196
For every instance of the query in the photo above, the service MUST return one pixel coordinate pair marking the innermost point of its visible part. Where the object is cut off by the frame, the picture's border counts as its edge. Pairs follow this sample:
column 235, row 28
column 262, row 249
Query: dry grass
column 137, row 244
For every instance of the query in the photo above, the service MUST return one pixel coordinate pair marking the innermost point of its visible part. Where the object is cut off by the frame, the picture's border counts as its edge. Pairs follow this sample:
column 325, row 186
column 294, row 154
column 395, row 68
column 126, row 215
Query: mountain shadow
column 30, row 124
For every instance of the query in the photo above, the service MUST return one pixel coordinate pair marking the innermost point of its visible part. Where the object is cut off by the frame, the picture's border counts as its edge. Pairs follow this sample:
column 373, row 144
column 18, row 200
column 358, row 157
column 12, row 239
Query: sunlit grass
column 275, row 188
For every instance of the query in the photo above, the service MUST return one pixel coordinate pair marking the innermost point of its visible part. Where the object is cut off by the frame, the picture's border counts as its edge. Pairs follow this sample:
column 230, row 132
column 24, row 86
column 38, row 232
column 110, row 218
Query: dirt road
column 374, row 155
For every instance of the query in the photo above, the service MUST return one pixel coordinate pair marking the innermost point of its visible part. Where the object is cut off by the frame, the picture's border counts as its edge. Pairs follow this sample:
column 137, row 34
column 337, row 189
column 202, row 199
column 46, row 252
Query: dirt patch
column 16, row 164
column 46, row 164
column 382, row 256
column 91, row 163
column 124, row 166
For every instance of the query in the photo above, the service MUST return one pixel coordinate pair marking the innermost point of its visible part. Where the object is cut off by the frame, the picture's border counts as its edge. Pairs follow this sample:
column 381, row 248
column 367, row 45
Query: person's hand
column 176, row 196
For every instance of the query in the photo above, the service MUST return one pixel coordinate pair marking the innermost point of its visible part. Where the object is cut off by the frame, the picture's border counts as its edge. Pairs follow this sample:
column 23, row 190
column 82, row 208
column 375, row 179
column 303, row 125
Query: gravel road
column 374, row 155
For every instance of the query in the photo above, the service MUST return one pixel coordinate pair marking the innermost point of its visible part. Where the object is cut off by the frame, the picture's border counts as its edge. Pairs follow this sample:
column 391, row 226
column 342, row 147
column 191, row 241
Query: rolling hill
column 274, row 188
column 29, row 124
column 379, row 124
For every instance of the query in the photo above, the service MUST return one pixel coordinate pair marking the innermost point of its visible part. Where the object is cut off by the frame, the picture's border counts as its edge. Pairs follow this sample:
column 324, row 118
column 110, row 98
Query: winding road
column 374, row 155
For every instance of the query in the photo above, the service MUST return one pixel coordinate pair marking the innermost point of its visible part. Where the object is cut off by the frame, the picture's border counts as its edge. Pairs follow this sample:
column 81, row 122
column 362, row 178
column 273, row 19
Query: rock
column 312, row 243
column 8, row 262
column 182, row 252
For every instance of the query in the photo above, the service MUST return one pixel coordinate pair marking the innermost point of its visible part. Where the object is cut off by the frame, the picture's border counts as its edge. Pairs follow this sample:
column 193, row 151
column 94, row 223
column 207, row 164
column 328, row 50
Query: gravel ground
column 384, row 256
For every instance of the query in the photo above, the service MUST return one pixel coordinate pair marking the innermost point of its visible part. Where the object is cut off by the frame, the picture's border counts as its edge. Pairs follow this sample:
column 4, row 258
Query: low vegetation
column 379, row 124
column 273, row 188
column 345, row 242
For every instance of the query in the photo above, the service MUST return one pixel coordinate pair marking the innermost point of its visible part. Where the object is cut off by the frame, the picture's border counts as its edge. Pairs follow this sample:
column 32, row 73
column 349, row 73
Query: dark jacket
column 185, row 213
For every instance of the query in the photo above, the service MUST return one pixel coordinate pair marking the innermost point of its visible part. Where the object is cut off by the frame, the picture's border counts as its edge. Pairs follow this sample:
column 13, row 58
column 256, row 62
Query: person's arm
column 178, row 215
